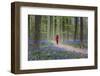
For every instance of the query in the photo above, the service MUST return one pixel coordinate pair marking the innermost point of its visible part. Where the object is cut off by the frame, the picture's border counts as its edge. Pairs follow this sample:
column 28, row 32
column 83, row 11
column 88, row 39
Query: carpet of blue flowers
column 48, row 51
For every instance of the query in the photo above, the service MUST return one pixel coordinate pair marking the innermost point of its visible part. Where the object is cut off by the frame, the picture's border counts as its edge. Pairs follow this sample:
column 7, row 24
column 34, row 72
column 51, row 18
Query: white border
column 25, row 64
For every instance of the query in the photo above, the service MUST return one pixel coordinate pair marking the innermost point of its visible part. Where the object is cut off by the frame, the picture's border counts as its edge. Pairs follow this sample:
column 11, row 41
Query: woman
column 57, row 39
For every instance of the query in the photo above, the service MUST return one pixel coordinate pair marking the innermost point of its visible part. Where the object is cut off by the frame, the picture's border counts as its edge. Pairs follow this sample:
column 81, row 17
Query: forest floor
column 70, row 48
column 49, row 50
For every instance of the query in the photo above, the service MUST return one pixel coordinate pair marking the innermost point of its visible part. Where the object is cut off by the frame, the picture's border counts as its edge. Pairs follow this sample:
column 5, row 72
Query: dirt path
column 71, row 48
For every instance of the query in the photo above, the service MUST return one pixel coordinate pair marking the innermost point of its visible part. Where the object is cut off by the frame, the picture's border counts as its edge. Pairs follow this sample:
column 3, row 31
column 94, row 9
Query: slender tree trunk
column 81, row 32
column 29, row 25
column 48, row 28
column 61, row 34
column 53, row 27
column 76, row 24
column 63, row 22
column 68, row 28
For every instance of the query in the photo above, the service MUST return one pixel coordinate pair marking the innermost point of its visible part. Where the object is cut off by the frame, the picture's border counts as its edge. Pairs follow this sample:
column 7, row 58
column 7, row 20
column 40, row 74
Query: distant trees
column 47, row 27
column 80, row 30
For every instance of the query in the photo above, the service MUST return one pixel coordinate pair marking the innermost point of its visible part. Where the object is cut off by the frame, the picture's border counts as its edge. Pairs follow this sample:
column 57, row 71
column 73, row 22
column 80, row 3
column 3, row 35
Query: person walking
column 57, row 39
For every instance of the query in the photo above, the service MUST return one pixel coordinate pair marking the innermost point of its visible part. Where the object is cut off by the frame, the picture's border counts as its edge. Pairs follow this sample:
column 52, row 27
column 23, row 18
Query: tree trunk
column 37, row 31
column 68, row 28
column 76, row 24
column 51, row 27
column 48, row 28
column 63, row 22
column 29, row 25
column 81, row 32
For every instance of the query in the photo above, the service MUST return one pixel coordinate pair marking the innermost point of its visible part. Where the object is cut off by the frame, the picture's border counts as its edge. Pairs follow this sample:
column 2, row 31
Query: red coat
column 57, row 39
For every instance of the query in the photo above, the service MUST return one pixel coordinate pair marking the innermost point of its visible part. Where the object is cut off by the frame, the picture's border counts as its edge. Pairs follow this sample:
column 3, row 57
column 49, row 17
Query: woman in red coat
column 57, row 39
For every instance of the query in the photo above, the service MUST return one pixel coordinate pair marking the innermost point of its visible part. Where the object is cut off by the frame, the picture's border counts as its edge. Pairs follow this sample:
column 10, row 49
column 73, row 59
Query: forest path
column 71, row 48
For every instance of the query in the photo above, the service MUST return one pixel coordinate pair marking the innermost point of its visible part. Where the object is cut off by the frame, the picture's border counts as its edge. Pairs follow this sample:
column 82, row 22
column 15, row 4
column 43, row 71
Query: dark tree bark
column 51, row 24
column 76, row 24
column 63, row 30
column 29, row 31
column 81, row 32
column 37, row 31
